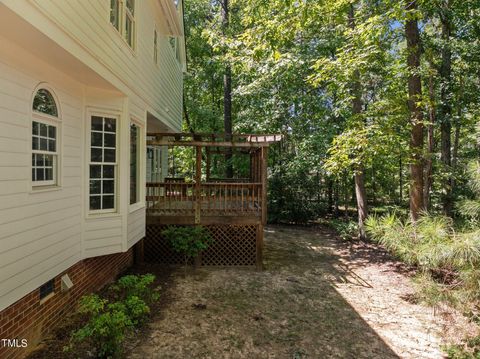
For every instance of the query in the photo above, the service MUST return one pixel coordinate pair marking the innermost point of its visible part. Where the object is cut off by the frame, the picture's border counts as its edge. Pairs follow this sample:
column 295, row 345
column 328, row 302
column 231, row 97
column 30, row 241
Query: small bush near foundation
column 136, row 286
column 189, row 241
column 107, row 322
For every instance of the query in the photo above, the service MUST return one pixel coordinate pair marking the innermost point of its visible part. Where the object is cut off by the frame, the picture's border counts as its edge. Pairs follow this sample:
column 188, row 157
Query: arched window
column 45, row 134
column 44, row 102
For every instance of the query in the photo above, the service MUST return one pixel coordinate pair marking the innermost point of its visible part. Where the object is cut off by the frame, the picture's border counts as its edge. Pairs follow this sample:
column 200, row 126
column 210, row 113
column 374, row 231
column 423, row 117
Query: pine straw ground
column 318, row 297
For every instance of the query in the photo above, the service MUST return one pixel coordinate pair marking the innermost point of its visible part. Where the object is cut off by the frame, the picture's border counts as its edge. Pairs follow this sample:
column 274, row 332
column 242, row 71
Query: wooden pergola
column 228, row 206
column 218, row 200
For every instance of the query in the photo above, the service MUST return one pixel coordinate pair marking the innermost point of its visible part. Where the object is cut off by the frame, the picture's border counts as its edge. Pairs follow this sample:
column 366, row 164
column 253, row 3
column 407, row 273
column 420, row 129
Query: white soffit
column 171, row 14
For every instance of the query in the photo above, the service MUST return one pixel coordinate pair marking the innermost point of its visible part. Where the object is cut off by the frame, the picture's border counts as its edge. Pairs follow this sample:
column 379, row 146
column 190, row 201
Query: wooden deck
column 205, row 203
column 233, row 210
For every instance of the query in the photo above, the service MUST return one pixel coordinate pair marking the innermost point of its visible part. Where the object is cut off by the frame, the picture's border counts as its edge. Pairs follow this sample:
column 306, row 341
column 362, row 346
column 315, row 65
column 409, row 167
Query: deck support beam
column 263, row 176
column 198, row 179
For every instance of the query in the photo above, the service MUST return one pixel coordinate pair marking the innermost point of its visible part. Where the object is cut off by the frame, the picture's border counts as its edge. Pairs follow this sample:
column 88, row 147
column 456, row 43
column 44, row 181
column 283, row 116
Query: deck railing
column 205, row 199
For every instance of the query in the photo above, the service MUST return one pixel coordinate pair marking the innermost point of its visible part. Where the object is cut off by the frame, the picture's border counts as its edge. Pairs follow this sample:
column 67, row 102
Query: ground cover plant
column 446, row 253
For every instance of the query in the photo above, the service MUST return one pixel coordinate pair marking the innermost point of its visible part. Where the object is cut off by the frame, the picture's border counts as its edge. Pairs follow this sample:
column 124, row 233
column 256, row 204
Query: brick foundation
column 29, row 319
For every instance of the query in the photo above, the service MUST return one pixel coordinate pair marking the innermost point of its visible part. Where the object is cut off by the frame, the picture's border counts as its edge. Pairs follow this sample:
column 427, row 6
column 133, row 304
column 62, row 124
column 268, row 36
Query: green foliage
column 292, row 199
column 189, row 240
column 107, row 322
column 136, row 309
column 293, row 68
column 345, row 229
column 430, row 243
column 137, row 286
column 106, row 327
column 470, row 349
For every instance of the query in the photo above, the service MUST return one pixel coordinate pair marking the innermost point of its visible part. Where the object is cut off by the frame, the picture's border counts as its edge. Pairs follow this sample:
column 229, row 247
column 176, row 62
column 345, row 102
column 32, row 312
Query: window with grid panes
column 44, row 139
column 103, row 163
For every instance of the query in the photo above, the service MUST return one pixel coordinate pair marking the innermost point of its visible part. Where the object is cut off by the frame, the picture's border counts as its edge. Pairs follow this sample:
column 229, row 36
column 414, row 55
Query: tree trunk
column 400, row 180
column 446, row 112
column 186, row 116
column 227, row 97
column 336, row 209
column 456, row 141
column 431, row 144
column 361, row 203
column 414, row 97
column 360, row 191
column 330, row 195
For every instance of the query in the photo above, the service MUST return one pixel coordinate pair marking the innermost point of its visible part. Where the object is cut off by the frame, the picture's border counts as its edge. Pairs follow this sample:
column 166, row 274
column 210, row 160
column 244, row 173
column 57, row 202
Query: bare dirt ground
column 318, row 297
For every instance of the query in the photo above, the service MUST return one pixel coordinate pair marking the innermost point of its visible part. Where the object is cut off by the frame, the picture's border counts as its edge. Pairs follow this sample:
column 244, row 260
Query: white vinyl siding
column 159, row 86
column 40, row 232
column 77, row 50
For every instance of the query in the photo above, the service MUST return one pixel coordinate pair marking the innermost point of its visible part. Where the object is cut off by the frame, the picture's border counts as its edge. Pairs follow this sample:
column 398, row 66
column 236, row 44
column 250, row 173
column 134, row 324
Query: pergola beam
column 213, row 140
column 208, row 144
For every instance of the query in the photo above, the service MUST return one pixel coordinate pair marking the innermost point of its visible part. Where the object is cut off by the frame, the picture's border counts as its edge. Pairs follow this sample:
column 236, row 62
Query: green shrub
column 189, row 241
column 109, row 321
column 106, row 327
column 346, row 230
column 138, row 286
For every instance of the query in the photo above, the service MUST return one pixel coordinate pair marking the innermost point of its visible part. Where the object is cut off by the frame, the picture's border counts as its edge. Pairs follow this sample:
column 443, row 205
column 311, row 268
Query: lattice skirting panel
column 233, row 245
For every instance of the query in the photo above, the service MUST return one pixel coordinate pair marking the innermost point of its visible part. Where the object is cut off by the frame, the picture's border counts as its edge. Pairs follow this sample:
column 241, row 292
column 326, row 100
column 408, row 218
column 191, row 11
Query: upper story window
column 129, row 21
column 45, row 130
column 122, row 17
column 155, row 46
column 115, row 13
column 174, row 44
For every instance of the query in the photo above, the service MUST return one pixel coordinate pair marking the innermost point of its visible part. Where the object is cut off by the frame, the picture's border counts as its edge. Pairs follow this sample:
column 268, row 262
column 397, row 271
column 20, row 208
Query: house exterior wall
column 40, row 232
column 75, row 51
column 83, row 29
column 28, row 319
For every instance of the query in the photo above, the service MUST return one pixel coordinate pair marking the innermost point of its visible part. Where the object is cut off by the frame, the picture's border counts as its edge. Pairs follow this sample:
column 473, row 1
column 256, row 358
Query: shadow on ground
column 292, row 309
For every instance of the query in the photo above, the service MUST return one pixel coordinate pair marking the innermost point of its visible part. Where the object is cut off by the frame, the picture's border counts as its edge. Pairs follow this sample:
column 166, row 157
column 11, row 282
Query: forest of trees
column 379, row 102
column 378, row 99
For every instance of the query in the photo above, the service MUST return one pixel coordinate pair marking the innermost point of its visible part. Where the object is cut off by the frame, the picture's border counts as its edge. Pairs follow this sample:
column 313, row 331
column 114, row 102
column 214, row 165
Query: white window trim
column 140, row 168
column 56, row 184
column 122, row 28
column 115, row 210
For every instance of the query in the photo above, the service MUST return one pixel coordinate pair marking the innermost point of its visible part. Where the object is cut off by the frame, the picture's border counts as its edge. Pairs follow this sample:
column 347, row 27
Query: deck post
column 263, row 176
column 209, row 160
column 198, row 179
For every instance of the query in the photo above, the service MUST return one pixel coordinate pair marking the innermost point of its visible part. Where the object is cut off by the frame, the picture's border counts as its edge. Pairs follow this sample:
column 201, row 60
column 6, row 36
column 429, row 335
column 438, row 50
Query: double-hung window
column 122, row 17
column 45, row 135
column 129, row 21
column 176, row 50
column 115, row 13
column 103, row 164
